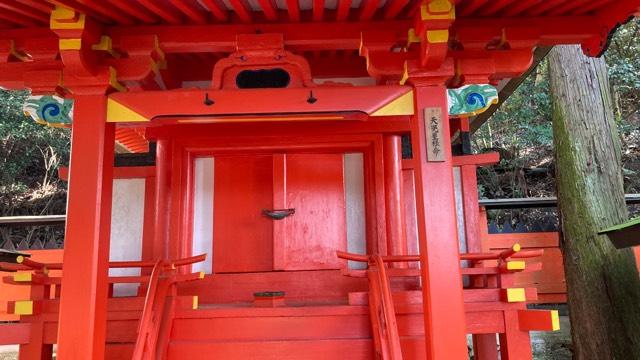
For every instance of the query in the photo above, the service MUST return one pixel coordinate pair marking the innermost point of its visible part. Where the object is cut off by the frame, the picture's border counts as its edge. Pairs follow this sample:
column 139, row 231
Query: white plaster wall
column 457, row 182
column 354, row 193
column 127, row 219
column 202, row 242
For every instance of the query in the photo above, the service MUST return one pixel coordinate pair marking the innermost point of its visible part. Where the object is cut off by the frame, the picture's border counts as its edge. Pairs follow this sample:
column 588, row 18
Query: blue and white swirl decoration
column 50, row 110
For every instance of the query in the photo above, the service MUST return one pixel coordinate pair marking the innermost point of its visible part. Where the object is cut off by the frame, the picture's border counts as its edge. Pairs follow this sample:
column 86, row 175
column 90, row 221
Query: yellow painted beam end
column 23, row 307
column 402, row 105
column 516, row 265
column 116, row 112
column 555, row 320
column 513, row 295
column 25, row 276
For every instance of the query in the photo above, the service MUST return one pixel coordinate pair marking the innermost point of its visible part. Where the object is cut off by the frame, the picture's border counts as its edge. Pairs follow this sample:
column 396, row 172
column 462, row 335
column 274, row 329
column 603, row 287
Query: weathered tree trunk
column 603, row 284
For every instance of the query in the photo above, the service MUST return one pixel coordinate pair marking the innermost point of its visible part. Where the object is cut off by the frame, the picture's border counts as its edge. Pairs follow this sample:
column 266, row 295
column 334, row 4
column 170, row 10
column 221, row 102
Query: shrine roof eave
column 183, row 40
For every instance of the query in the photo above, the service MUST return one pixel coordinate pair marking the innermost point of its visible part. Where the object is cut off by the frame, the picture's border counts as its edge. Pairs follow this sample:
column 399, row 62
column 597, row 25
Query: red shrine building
column 304, row 199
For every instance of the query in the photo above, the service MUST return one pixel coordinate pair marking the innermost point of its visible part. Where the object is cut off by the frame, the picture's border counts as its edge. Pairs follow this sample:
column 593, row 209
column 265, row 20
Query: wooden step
column 327, row 286
column 272, row 324
column 353, row 349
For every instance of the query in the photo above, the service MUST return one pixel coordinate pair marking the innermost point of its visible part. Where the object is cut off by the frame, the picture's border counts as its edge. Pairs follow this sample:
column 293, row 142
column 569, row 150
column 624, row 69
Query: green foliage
column 623, row 59
column 29, row 153
column 521, row 129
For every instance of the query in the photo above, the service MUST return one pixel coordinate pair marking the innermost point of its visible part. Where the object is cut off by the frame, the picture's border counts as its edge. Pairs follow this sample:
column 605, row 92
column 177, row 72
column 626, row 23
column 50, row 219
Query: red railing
column 383, row 314
column 382, row 311
column 160, row 299
column 154, row 327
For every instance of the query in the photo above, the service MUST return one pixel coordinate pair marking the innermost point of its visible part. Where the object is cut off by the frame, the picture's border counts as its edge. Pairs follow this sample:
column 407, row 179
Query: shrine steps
column 289, row 332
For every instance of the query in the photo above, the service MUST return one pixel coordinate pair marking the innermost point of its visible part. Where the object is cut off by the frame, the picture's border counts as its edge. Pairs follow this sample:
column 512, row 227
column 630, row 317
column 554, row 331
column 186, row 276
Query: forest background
column 521, row 130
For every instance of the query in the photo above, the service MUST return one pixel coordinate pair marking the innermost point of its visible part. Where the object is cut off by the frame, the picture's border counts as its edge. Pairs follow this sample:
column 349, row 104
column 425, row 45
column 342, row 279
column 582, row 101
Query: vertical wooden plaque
column 434, row 134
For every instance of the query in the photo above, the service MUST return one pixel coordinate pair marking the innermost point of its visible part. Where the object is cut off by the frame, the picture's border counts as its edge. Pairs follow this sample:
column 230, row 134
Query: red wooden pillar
column 36, row 349
column 148, row 227
column 485, row 346
column 83, row 303
column 164, row 153
column 514, row 343
column 445, row 329
column 394, row 207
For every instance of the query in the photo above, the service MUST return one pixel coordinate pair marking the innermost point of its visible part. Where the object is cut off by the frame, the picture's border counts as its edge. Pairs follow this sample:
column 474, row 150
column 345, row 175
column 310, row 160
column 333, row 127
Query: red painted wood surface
column 11, row 292
column 550, row 281
column 242, row 236
column 445, row 333
column 86, row 256
column 315, row 189
column 394, row 201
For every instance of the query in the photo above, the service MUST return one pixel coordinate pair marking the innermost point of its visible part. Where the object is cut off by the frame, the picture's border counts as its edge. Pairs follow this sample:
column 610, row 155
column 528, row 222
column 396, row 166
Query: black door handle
column 278, row 214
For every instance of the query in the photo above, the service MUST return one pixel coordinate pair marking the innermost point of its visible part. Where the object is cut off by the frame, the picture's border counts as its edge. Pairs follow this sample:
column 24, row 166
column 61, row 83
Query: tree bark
column 603, row 284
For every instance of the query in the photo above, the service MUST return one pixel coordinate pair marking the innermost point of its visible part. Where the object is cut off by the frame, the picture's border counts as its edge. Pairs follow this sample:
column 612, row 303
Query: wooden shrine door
column 245, row 240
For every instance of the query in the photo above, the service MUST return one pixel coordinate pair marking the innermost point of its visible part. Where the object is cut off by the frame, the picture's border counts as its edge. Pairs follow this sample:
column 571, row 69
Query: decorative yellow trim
column 515, row 295
column 156, row 47
column 437, row 10
column 23, row 307
column 70, row 44
column 106, row 44
column 555, row 320
column 440, row 6
column 437, row 36
column 194, row 303
column 22, row 276
column 117, row 112
column 63, row 18
column 405, row 74
column 113, row 80
column 402, row 105
column 516, row 265
column 412, row 37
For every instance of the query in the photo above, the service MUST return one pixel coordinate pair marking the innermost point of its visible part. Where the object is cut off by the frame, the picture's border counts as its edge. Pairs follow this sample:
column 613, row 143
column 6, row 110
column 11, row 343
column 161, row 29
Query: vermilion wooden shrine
column 280, row 219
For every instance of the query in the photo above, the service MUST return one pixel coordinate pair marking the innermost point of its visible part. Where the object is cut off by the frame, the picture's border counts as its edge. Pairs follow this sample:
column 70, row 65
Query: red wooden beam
column 294, row 10
column 169, row 15
column 268, row 9
column 135, row 10
column 107, row 10
column 17, row 20
column 218, row 10
column 386, row 125
column 15, row 334
column 189, row 103
column 393, row 8
column 318, row 10
column 494, row 7
column 191, row 10
column 343, row 10
column 543, row 8
column 38, row 5
column 469, row 7
column 519, row 7
column 18, row 8
column 368, row 10
column 241, row 9
column 478, row 160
